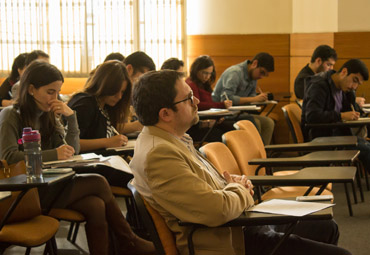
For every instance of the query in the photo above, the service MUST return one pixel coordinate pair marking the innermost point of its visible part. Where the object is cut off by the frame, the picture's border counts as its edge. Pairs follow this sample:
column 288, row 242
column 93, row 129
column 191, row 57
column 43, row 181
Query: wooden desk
column 353, row 123
column 20, row 183
column 310, row 176
column 255, row 219
column 319, row 143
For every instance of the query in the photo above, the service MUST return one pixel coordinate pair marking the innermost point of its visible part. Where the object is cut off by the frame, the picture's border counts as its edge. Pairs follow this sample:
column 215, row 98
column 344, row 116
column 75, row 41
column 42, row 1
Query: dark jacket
column 91, row 121
column 318, row 107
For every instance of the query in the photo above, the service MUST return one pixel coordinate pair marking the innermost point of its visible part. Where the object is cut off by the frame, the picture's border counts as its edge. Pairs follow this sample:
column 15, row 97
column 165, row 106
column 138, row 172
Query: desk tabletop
column 317, row 158
column 215, row 113
column 319, row 143
column 309, row 176
column 255, row 218
column 20, row 182
column 352, row 123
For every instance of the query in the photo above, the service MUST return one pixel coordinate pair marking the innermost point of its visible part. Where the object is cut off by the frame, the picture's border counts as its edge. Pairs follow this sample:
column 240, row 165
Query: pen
column 64, row 140
column 115, row 131
column 227, row 98
column 353, row 108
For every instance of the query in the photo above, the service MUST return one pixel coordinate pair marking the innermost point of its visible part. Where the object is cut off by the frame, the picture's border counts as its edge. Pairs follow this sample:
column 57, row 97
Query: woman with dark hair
column 202, row 76
column 38, row 107
column 104, row 104
column 18, row 68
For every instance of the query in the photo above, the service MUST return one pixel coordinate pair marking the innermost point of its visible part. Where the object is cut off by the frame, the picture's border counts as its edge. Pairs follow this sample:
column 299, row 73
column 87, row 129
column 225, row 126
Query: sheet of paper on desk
column 266, row 102
column 244, row 108
column 213, row 111
column 364, row 119
column 82, row 158
column 129, row 146
column 366, row 106
column 117, row 163
column 289, row 207
column 366, row 110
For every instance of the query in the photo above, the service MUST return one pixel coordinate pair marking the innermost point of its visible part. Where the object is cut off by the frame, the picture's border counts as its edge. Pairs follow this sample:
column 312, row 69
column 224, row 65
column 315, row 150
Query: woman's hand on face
column 116, row 141
column 65, row 151
column 59, row 107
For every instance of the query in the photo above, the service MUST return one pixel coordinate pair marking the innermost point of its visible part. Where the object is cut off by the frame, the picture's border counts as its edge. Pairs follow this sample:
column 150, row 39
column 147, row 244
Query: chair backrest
column 251, row 128
column 29, row 206
column 161, row 235
column 293, row 113
column 221, row 157
column 244, row 146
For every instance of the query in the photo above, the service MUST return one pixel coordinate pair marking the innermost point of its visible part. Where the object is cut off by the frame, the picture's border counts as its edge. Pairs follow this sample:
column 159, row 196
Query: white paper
column 117, row 163
column 77, row 158
column 289, row 207
column 244, row 108
column 213, row 111
column 129, row 146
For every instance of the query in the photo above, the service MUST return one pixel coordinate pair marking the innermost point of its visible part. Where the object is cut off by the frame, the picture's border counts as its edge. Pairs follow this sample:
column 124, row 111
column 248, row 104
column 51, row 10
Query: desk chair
column 292, row 114
column 74, row 217
column 223, row 159
column 22, row 223
column 244, row 146
column 161, row 235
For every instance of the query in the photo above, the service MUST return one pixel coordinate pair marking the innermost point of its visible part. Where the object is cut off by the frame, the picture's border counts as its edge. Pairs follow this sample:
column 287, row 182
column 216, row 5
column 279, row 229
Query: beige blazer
column 175, row 182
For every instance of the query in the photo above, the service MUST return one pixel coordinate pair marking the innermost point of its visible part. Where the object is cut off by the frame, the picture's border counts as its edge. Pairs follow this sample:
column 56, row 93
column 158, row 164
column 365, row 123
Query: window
column 78, row 34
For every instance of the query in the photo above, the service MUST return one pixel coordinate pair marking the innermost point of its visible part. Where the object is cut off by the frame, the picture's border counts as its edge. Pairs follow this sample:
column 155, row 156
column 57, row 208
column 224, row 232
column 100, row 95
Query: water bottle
column 32, row 151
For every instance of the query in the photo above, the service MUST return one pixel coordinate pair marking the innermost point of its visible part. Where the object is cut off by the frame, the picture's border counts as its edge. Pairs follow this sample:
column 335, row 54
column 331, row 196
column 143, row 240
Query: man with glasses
column 180, row 184
column 239, row 84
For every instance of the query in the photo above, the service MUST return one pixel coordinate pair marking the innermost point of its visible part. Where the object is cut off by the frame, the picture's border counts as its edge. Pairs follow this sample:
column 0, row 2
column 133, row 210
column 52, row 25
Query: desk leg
column 358, row 177
column 308, row 191
column 12, row 208
column 285, row 236
column 348, row 200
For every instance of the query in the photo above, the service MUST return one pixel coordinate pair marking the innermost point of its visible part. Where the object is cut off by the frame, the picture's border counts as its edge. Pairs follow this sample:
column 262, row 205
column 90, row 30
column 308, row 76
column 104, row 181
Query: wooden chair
column 25, row 226
column 247, row 146
column 161, row 235
column 292, row 114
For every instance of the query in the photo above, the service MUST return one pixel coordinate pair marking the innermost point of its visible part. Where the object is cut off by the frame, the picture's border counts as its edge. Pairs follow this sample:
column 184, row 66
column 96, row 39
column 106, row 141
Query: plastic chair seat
column 66, row 215
column 119, row 191
column 33, row 232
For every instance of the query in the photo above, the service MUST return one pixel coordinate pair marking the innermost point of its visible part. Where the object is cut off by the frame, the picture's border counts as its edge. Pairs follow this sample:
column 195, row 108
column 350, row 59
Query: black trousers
column 308, row 237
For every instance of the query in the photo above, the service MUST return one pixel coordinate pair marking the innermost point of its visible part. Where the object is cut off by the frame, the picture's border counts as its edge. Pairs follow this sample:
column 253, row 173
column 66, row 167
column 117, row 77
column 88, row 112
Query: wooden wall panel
column 305, row 44
column 352, row 44
column 238, row 45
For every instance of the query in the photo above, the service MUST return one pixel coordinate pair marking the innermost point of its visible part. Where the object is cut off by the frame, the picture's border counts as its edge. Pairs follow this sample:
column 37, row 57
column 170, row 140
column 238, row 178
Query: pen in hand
column 227, row 98
column 63, row 139
column 353, row 108
column 115, row 131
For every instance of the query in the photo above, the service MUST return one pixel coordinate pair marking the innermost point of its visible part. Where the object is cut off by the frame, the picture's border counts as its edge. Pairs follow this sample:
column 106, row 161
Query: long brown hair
column 39, row 74
column 107, row 81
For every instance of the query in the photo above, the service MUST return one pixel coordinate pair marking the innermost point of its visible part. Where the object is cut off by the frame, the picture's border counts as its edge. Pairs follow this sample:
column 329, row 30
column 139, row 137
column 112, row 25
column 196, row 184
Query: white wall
column 315, row 16
column 239, row 16
column 354, row 15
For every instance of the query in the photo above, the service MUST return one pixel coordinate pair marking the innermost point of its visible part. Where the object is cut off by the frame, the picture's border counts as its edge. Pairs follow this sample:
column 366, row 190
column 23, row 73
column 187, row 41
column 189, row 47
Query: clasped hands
column 241, row 179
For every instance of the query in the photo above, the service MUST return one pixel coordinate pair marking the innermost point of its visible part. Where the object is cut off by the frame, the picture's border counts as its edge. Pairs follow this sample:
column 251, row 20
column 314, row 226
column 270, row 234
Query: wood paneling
column 305, row 44
column 352, row 44
column 238, row 45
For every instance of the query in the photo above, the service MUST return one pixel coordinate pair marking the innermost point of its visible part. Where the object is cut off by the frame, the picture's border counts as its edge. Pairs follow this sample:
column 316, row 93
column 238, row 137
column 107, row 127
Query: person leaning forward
column 180, row 184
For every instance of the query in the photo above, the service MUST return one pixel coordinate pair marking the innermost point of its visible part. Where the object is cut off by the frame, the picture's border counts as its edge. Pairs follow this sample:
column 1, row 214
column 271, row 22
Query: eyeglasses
column 190, row 97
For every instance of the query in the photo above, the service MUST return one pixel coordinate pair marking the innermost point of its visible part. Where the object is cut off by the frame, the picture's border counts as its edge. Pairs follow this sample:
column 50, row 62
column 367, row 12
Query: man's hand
column 241, row 179
column 352, row 115
column 360, row 101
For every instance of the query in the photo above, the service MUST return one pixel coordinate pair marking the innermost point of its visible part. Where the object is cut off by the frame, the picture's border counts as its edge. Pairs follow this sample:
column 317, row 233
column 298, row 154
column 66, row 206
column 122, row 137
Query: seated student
column 137, row 63
column 33, row 55
column 100, row 108
column 325, row 102
column 18, row 68
column 202, row 75
column 322, row 60
column 39, row 108
column 114, row 56
column 180, row 184
column 239, row 83
column 173, row 64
